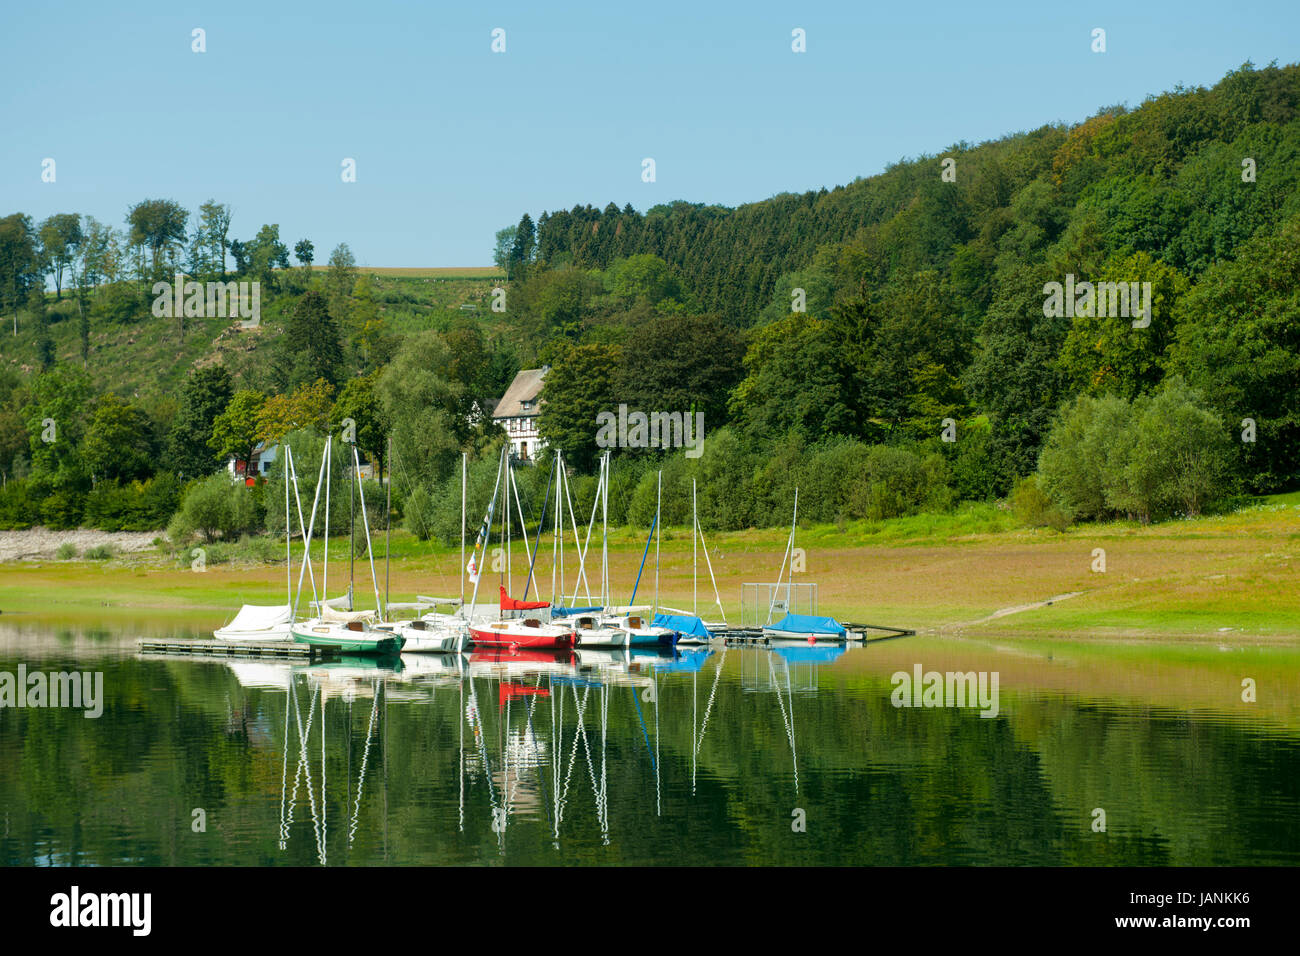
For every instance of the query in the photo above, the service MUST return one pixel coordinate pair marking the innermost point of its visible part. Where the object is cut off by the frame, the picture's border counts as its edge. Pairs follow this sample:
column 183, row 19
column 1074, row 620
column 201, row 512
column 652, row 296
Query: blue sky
column 452, row 141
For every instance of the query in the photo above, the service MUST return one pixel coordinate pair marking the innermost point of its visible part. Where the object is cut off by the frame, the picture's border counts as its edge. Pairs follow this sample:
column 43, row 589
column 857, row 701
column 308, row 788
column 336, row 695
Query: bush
column 1033, row 508
column 978, row 471
column 67, row 551
column 18, row 509
column 62, row 510
column 418, row 513
column 101, row 552
column 898, row 482
column 1151, row 458
column 135, row 506
column 264, row 549
column 214, row 507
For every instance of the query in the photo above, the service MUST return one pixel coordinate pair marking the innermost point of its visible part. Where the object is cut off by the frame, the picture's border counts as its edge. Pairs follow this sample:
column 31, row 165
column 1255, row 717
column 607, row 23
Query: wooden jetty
column 273, row 650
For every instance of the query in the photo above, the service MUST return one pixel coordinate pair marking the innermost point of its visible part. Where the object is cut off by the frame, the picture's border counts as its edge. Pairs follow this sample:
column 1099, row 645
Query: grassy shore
column 1229, row 578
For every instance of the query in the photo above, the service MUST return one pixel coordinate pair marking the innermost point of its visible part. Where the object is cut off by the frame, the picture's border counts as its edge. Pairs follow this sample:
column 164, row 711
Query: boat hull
column 347, row 641
column 515, row 635
column 432, row 640
column 807, row 637
column 269, row 634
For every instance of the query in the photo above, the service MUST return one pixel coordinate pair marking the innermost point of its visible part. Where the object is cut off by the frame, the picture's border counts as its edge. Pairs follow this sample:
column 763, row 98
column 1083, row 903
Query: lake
column 1098, row 754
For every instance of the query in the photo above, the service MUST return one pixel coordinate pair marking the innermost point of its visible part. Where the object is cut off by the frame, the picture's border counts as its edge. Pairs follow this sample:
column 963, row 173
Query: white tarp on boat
column 260, row 617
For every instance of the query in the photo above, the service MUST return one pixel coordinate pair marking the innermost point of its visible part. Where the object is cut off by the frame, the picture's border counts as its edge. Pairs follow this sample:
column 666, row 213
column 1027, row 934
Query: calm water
column 711, row 757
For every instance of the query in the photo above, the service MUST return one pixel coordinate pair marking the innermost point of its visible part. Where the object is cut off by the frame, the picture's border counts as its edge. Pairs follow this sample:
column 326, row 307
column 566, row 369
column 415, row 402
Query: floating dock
column 858, row 633
column 274, row 650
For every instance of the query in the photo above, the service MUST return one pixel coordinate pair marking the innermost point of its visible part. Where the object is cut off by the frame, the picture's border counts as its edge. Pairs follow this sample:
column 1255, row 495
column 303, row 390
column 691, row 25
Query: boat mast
column 370, row 552
column 325, row 575
column 388, row 526
column 288, row 531
column 464, row 480
column 352, row 533
column 659, row 497
column 556, row 557
column 695, row 555
column 292, row 475
column 604, row 544
column 789, row 547
column 306, row 555
column 505, row 531
column 487, row 539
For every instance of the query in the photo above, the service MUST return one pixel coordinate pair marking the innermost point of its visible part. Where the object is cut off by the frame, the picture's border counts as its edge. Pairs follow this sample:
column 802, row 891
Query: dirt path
column 1003, row 612
column 37, row 543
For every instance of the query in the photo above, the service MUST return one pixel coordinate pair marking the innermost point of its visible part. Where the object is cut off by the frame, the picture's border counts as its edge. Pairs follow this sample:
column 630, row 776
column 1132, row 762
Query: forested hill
column 876, row 311
column 931, row 335
column 1163, row 179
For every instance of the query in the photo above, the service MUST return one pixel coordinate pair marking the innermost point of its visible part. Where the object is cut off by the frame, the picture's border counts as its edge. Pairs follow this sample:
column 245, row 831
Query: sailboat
column 690, row 628
column 438, row 631
column 806, row 627
column 629, row 621
column 525, row 632
column 268, row 622
column 517, row 632
column 348, row 632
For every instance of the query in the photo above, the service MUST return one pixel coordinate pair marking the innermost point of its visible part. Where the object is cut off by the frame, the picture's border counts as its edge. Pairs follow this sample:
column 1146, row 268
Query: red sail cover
column 510, row 604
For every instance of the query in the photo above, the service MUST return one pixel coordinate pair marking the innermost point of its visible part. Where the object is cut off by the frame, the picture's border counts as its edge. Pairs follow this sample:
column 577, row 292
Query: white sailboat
column 637, row 630
column 269, row 622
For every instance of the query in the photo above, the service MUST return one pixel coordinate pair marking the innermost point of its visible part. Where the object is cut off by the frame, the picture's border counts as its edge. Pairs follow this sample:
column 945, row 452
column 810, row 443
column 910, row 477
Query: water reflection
column 632, row 756
column 529, row 723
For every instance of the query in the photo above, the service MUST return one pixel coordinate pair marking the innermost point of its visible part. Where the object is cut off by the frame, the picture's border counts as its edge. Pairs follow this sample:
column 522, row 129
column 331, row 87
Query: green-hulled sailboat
column 348, row 632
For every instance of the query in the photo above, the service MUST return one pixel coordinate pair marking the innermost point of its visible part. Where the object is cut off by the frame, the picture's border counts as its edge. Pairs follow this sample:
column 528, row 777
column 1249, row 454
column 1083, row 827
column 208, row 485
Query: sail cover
column 335, row 616
column 683, row 624
column 559, row 611
column 510, row 604
column 807, row 624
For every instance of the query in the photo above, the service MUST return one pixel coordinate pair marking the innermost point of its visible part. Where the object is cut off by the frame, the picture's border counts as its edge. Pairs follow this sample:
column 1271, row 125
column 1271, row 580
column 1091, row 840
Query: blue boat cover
column 807, row 624
column 683, row 624
column 811, row 653
column 558, row 611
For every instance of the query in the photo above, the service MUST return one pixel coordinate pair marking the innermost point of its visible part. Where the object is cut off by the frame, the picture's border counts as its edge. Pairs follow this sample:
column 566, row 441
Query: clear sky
column 453, row 141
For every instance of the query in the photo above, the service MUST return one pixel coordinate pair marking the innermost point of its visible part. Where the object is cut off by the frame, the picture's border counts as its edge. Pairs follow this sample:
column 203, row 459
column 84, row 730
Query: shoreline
column 1228, row 579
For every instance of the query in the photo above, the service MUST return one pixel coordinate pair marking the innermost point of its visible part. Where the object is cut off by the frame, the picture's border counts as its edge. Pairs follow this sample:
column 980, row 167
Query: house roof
column 525, row 388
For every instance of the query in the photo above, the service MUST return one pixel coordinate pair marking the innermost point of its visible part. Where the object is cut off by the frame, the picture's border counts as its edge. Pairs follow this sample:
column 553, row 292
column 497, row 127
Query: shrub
column 978, row 472
column 67, row 551
column 62, row 510
column 18, row 509
column 418, row 513
column 1033, row 508
column 1156, row 456
column 134, row 506
column 899, row 482
column 213, row 507
column 101, row 552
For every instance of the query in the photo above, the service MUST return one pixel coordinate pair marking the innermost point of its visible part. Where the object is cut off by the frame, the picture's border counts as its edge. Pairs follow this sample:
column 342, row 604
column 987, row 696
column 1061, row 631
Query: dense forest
column 888, row 345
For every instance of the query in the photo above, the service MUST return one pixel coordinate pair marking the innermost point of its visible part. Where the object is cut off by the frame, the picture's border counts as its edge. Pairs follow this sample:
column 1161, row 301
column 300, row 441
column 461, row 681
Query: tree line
column 885, row 341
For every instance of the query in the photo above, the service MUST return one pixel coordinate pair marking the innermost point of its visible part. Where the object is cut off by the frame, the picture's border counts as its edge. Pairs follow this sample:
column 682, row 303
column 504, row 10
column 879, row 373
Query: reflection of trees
column 879, row 784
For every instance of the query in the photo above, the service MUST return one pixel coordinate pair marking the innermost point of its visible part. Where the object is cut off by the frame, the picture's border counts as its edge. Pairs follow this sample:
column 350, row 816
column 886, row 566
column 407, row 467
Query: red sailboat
column 521, row 632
